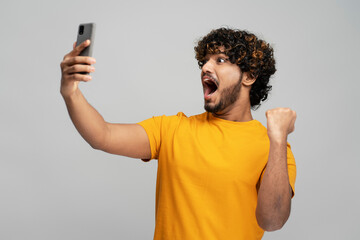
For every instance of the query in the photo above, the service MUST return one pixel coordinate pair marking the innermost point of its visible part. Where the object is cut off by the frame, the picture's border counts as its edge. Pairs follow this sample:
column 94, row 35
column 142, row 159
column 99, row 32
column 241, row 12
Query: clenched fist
column 73, row 68
column 280, row 123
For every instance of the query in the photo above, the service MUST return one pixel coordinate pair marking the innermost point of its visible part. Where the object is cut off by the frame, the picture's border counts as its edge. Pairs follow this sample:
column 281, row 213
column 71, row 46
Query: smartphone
column 86, row 31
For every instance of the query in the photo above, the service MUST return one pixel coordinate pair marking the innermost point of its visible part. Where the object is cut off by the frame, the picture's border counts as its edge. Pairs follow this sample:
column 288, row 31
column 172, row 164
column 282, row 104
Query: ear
column 247, row 80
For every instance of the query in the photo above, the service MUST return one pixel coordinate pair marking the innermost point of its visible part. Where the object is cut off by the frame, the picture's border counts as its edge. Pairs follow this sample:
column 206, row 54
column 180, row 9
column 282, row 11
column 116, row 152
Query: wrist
column 278, row 139
column 70, row 96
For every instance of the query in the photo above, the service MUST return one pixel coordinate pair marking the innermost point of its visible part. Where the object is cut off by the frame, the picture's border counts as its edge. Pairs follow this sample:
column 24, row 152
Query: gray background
column 53, row 185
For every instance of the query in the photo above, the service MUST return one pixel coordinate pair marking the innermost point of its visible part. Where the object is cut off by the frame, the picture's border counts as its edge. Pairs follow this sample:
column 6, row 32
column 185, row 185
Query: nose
column 208, row 67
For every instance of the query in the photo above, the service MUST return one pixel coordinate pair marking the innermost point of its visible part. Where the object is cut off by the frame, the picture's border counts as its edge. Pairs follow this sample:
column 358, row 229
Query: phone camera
column 81, row 29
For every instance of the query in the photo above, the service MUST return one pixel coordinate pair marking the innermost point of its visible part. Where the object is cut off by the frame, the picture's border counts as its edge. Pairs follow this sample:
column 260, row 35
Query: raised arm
column 123, row 139
column 274, row 195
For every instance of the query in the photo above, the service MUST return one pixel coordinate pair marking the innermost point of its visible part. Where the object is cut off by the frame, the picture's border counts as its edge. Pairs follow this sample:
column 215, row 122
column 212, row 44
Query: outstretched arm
column 274, row 195
column 123, row 139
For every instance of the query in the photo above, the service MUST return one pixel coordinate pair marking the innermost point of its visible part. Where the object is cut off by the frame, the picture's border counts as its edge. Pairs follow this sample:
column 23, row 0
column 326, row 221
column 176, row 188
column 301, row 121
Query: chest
column 215, row 156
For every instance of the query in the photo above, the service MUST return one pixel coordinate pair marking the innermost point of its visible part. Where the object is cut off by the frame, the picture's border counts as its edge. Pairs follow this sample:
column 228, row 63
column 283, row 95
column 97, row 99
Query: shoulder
column 183, row 122
column 169, row 121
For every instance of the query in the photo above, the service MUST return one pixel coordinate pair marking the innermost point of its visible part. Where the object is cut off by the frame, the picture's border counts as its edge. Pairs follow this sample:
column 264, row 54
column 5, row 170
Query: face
column 221, row 81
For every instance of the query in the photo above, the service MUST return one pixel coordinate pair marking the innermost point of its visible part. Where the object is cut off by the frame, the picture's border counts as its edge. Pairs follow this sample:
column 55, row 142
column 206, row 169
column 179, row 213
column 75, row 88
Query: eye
column 221, row 60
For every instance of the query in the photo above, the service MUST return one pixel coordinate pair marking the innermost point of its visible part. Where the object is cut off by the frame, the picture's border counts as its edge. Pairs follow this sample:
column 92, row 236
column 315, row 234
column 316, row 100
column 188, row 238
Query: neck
column 240, row 111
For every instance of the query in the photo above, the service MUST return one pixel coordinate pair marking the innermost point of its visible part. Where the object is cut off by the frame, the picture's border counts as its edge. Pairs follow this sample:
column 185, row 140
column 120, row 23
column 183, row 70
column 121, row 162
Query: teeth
column 207, row 79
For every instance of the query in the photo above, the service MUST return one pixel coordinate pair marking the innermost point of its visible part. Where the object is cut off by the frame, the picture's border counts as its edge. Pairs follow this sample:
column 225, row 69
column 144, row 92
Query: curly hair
column 244, row 49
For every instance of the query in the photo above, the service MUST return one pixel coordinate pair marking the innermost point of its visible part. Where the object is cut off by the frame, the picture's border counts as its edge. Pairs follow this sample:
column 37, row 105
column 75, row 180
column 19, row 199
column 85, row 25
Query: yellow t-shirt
column 208, row 171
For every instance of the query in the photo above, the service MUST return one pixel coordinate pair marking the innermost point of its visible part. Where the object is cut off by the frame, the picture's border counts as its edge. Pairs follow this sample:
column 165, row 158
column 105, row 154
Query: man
column 221, row 174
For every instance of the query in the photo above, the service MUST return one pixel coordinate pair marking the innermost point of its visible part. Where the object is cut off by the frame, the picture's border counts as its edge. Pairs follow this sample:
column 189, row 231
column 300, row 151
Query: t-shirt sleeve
column 291, row 169
column 160, row 130
column 152, row 127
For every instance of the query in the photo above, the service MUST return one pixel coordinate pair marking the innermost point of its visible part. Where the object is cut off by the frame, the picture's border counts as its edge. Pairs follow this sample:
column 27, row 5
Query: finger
column 74, row 45
column 78, row 60
column 292, row 125
column 267, row 113
column 77, row 50
column 78, row 77
column 293, row 119
column 79, row 68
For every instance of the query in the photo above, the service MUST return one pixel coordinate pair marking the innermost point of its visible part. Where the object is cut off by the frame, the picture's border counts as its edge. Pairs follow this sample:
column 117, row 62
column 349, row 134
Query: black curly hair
column 244, row 49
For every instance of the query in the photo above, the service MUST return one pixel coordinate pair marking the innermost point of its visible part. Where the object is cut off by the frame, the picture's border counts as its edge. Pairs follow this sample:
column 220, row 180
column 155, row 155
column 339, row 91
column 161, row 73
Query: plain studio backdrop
column 53, row 185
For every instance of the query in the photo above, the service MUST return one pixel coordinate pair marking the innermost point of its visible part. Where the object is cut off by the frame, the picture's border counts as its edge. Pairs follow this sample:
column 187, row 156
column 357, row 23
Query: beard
column 228, row 96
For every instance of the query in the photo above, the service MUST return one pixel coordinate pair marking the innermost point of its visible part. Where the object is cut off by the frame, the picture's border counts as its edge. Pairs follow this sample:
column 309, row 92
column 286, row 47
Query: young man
column 221, row 174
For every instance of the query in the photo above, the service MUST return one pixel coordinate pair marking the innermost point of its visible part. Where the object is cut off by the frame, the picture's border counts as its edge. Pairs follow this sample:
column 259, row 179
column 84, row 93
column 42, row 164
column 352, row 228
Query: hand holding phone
column 77, row 64
column 86, row 31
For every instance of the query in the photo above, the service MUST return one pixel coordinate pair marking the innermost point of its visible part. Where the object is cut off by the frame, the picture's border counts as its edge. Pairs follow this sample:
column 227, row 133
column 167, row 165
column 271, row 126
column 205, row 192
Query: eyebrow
column 222, row 53
column 208, row 55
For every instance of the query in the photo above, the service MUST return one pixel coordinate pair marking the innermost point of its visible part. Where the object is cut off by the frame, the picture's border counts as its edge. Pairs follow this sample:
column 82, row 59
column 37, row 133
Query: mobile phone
column 86, row 31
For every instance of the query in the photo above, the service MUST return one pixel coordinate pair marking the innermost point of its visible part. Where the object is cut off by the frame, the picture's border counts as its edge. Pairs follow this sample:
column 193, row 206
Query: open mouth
column 210, row 86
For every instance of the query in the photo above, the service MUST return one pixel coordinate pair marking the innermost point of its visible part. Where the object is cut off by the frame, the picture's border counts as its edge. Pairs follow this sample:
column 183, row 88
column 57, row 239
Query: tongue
column 207, row 92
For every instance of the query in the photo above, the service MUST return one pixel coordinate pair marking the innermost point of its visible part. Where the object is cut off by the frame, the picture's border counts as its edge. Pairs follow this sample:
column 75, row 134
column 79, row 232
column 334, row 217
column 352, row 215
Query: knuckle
column 73, row 68
column 71, row 60
column 75, row 51
column 67, row 61
column 64, row 62
column 64, row 69
column 75, row 59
